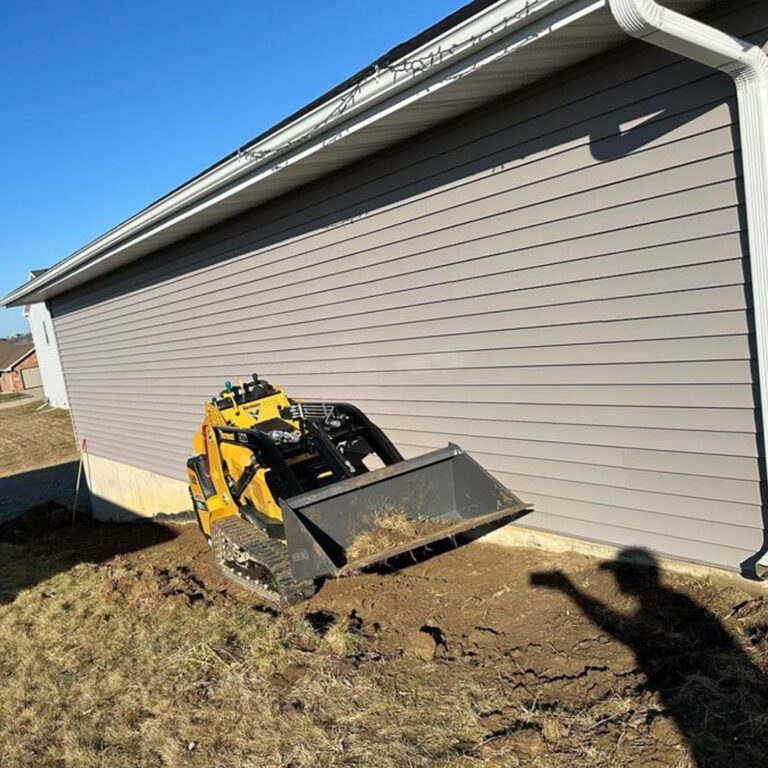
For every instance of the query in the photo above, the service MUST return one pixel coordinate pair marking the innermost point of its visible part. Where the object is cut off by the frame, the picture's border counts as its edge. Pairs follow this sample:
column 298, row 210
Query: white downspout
column 747, row 64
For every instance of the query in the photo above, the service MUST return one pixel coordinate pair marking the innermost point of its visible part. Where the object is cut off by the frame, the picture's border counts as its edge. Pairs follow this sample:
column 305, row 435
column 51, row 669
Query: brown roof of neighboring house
column 11, row 353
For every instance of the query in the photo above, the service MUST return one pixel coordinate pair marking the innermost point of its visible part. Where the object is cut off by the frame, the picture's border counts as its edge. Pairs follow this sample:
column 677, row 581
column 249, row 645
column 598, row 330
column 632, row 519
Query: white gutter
column 441, row 60
column 747, row 64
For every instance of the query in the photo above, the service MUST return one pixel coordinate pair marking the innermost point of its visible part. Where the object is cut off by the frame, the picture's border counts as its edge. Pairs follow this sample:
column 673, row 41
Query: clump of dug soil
column 146, row 586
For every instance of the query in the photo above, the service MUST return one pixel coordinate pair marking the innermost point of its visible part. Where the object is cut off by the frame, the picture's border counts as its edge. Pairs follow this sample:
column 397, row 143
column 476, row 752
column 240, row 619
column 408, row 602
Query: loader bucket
column 444, row 493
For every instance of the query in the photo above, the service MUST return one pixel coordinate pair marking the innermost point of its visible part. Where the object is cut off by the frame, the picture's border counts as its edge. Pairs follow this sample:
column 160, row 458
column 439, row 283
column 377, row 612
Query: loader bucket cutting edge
column 446, row 485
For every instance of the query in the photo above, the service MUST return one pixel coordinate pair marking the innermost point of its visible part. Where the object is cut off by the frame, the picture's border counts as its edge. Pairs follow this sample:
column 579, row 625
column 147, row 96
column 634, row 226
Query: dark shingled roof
column 10, row 352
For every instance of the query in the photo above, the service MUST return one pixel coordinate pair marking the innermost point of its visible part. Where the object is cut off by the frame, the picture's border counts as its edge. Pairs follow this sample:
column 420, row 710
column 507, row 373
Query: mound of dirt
column 37, row 522
column 145, row 587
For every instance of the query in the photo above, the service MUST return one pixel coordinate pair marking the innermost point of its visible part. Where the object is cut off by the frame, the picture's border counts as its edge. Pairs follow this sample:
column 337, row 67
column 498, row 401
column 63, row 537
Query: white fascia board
column 492, row 33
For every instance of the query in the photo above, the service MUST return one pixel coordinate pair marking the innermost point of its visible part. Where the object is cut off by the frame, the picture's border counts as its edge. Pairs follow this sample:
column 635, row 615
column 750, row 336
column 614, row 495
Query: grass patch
column 7, row 397
column 30, row 439
column 90, row 681
column 391, row 528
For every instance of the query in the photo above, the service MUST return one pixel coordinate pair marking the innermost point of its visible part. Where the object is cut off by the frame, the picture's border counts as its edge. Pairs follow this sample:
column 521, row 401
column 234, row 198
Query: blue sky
column 106, row 105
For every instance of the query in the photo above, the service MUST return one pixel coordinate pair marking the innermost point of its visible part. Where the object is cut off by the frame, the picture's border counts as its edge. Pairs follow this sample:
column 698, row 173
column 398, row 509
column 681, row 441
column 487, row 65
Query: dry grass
column 7, row 397
column 90, row 682
column 30, row 439
column 142, row 662
column 391, row 528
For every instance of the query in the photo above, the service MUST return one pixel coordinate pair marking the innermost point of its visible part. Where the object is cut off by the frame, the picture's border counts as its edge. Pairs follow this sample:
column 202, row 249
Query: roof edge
column 377, row 84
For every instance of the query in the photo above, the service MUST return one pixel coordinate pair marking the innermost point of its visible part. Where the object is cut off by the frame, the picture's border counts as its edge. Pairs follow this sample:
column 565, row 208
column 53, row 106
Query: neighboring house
column 18, row 367
column 44, row 337
column 521, row 230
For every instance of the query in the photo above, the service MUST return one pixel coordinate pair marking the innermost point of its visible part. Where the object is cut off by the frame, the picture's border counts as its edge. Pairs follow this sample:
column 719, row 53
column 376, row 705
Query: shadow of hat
column 629, row 559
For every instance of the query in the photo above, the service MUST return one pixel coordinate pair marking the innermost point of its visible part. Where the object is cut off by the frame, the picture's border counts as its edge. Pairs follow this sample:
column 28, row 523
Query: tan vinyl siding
column 557, row 282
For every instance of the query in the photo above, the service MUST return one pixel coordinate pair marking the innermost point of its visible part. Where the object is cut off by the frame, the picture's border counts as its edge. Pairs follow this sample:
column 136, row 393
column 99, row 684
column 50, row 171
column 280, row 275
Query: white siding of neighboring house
column 44, row 337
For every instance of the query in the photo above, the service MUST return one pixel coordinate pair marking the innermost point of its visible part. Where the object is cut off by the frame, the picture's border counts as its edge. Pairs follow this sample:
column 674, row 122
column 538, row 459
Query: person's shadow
column 707, row 683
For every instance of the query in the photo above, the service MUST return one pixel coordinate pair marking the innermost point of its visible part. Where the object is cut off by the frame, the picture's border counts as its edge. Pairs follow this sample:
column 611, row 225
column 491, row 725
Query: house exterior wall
column 44, row 337
column 558, row 283
column 12, row 380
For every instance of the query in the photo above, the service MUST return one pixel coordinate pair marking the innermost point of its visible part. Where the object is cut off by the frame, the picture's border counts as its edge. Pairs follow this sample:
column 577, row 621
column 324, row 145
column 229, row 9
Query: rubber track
column 269, row 553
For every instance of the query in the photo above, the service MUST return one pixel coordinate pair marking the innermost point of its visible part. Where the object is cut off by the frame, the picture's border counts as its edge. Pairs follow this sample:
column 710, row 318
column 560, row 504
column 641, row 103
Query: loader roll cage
column 328, row 429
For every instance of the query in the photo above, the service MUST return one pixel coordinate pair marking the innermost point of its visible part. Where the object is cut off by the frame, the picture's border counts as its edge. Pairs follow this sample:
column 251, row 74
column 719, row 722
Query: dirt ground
column 121, row 646
column 8, row 397
column 142, row 655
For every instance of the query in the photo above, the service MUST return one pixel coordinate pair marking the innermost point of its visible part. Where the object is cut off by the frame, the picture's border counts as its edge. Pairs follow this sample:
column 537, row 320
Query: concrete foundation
column 121, row 492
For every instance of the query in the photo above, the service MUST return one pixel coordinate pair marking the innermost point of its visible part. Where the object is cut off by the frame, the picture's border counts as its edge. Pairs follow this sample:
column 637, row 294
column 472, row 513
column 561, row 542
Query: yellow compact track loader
column 288, row 492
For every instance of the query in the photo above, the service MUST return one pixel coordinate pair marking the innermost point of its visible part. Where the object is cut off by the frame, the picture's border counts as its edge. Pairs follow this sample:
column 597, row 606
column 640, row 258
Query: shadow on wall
column 42, row 540
column 704, row 680
column 748, row 566
column 639, row 123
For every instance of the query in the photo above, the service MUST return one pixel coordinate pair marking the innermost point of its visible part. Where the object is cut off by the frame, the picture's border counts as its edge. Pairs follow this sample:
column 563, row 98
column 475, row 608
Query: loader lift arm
column 333, row 438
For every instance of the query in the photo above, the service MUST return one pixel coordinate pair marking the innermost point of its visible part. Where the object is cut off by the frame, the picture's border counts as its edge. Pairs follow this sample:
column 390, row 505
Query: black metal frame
column 381, row 444
column 267, row 454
